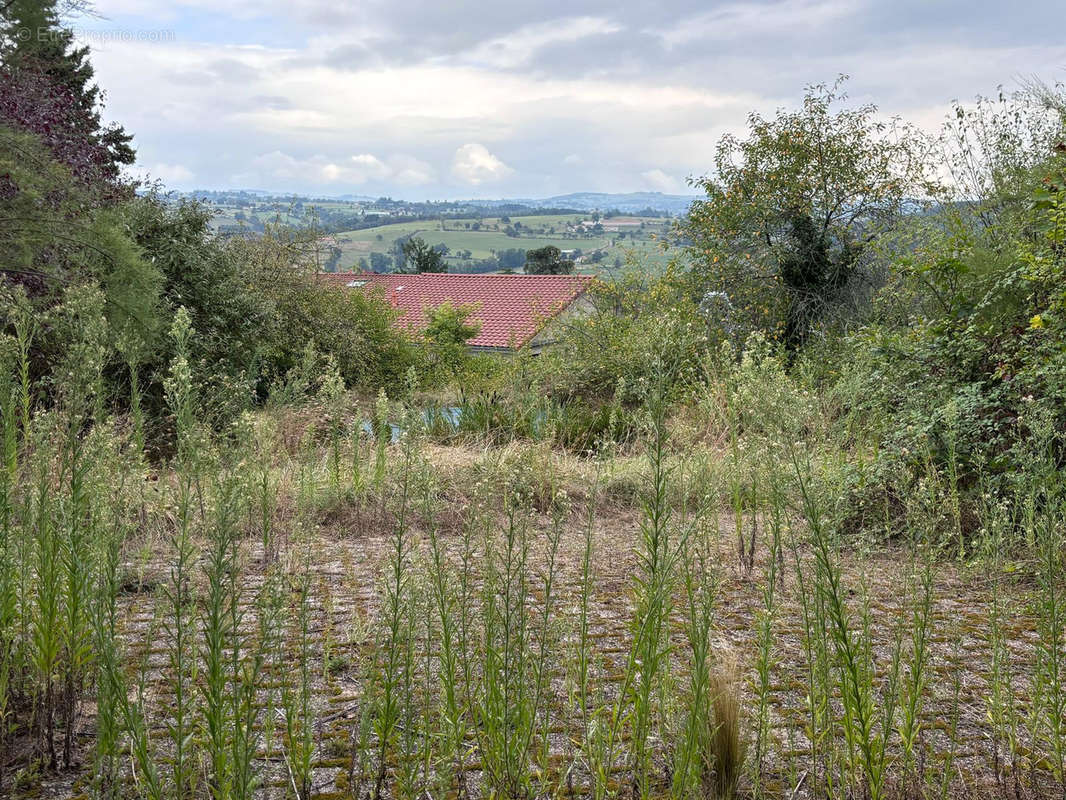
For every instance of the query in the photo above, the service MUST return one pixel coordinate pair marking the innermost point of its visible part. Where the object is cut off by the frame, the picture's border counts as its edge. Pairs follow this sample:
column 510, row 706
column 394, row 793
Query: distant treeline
column 513, row 259
column 255, row 211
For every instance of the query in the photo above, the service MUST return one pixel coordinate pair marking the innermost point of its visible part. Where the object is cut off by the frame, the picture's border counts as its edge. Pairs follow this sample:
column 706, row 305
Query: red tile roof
column 511, row 308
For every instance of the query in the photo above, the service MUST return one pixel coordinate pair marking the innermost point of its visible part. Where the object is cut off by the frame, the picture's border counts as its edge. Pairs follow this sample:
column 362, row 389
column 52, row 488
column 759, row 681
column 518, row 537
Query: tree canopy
column 791, row 211
column 421, row 257
column 548, row 261
column 55, row 236
column 47, row 88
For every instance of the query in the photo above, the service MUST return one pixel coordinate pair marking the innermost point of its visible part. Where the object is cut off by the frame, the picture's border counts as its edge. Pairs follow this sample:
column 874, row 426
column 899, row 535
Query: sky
column 464, row 98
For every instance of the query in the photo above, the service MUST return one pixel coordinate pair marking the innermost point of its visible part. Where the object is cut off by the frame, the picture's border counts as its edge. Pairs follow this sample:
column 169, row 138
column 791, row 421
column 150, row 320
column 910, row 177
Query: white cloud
column 474, row 164
column 753, row 21
column 358, row 169
column 170, row 173
column 409, row 171
column 590, row 101
column 518, row 47
column 365, row 167
column 659, row 181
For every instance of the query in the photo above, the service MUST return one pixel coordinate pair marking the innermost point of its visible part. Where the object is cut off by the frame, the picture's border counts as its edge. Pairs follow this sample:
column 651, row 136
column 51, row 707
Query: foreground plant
column 867, row 747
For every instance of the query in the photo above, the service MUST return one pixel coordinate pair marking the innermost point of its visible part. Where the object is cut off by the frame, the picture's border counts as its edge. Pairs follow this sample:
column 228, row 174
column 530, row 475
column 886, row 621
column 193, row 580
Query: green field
column 617, row 241
column 271, row 211
column 490, row 239
column 481, row 244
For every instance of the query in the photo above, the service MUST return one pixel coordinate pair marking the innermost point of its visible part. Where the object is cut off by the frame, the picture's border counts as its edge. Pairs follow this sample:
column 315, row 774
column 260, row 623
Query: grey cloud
column 353, row 56
column 701, row 65
column 191, row 77
column 230, row 70
column 414, row 30
column 274, row 102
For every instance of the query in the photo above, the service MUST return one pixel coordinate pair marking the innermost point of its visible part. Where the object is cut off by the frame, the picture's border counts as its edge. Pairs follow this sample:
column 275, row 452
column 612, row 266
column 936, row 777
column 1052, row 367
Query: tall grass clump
column 765, row 624
column 81, row 399
column 45, row 616
column 298, row 736
column 924, row 517
column 865, row 740
column 506, row 700
column 58, row 546
column 332, row 395
column 658, row 556
column 1049, row 674
column 445, row 600
column 110, row 686
column 726, row 748
column 10, row 657
column 179, row 624
column 694, row 753
column 220, row 650
column 396, row 632
column 1000, row 701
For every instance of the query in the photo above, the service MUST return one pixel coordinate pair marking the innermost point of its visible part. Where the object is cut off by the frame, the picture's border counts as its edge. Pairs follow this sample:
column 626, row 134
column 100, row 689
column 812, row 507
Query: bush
column 204, row 276
column 255, row 305
column 635, row 328
column 969, row 376
column 447, row 331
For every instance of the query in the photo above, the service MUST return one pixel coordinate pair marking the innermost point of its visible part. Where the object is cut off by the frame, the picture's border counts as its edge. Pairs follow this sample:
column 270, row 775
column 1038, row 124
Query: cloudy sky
column 510, row 98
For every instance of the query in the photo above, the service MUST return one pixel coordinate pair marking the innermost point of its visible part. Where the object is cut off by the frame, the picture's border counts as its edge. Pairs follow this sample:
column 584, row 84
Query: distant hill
column 628, row 203
column 356, row 198
column 673, row 204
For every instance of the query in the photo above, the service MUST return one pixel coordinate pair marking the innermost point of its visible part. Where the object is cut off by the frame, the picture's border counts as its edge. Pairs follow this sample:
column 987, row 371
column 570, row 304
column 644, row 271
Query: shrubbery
column 255, row 304
column 634, row 327
column 835, row 293
column 976, row 356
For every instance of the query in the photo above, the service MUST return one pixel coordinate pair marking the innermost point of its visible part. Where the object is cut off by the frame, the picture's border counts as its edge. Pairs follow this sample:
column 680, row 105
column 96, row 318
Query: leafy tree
column 421, row 257
column 46, row 88
column 257, row 306
column 548, row 260
column 995, row 152
column 791, row 213
column 352, row 328
column 379, row 262
column 334, row 257
column 967, row 352
column 54, row 236
column 637, row 328
column 511, row 258
column 448, row 329
column 206, row 276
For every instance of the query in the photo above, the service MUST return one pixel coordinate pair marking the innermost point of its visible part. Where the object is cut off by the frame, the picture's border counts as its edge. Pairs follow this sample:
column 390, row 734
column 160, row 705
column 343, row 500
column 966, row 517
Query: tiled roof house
column 513, row 310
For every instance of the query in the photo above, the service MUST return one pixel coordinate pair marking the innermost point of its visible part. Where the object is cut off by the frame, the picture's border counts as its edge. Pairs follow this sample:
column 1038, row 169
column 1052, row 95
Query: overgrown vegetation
column 788, row 524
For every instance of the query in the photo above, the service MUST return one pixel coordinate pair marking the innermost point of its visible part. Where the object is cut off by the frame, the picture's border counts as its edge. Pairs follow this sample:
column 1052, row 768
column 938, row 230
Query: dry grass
column 727, row 745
